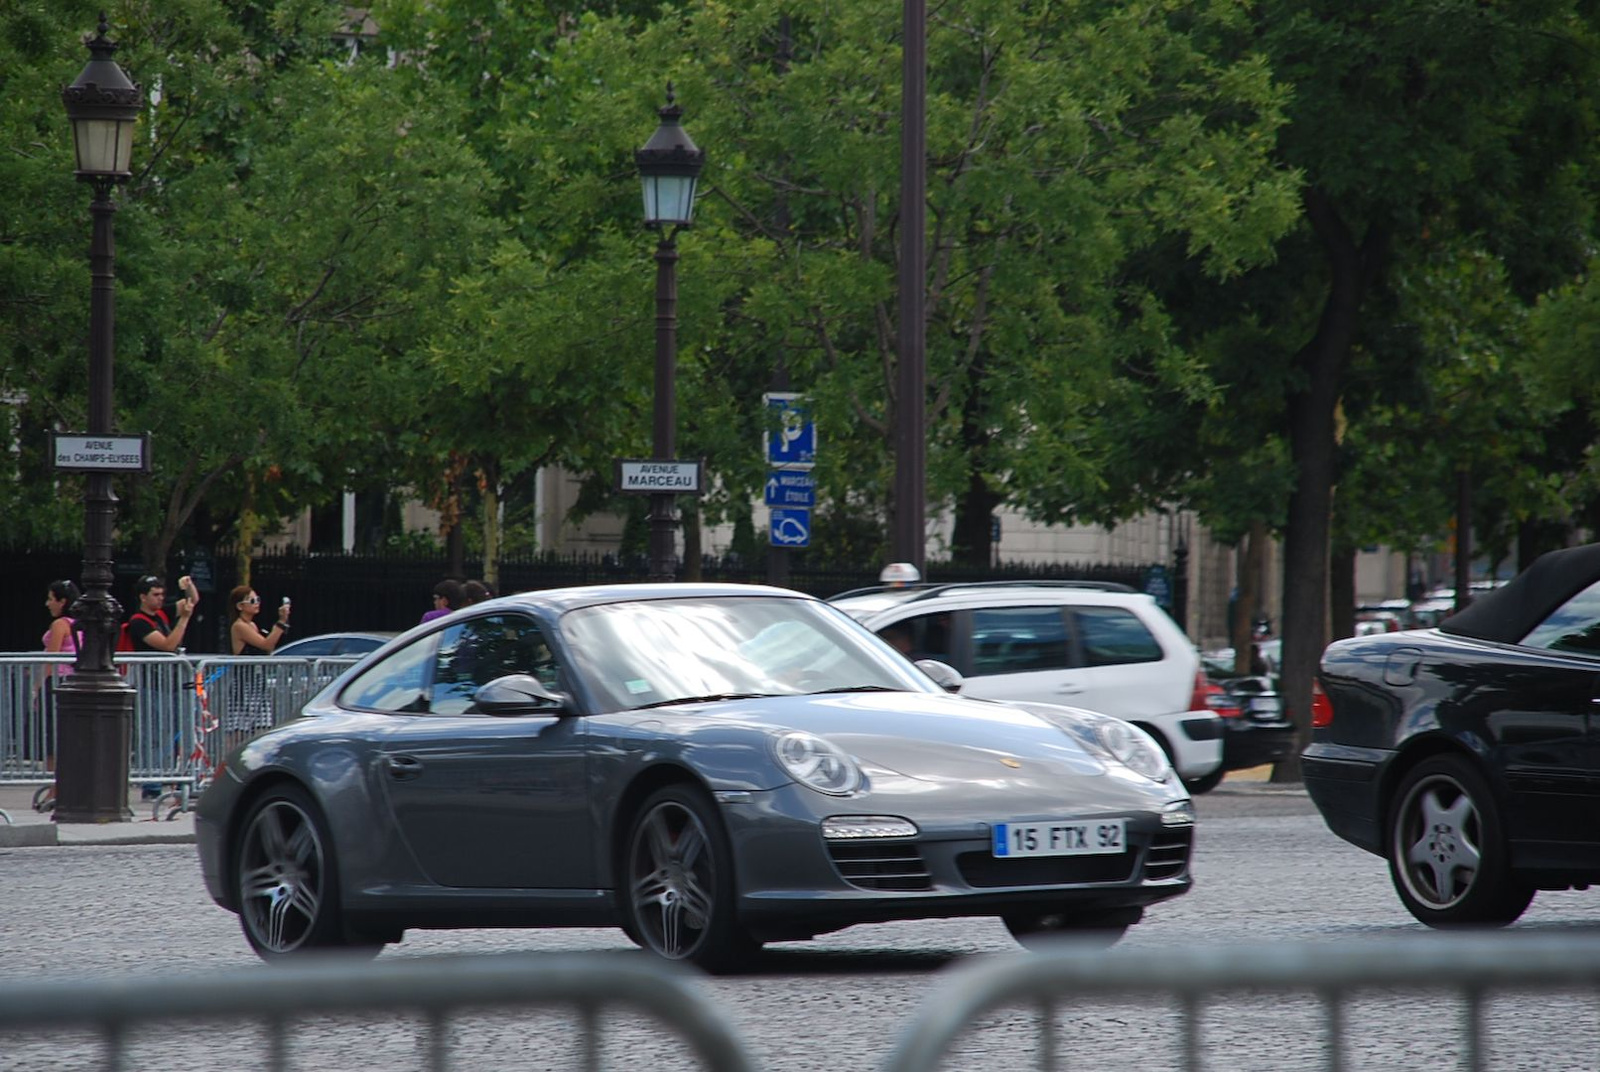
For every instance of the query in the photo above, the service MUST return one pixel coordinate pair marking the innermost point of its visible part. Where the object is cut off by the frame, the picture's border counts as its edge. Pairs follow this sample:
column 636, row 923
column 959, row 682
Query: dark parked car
column 358, row 643
column 1255, row 728
column 708, row 767
column 1468, row 754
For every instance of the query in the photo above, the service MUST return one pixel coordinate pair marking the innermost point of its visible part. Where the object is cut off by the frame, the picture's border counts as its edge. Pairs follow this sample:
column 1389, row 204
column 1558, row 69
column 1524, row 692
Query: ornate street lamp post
column 669, row 165
column 94, row 706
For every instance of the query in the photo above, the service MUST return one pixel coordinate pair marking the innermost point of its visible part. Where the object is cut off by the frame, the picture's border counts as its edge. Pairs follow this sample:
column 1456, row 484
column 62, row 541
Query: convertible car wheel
column 679, row 871
column 1036, row 930
column 1447, row 850
column 284, row 880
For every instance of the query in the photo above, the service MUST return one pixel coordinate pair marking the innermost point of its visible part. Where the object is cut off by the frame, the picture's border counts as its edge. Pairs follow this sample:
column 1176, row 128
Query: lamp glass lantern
column 669, row 167
column 103, row 105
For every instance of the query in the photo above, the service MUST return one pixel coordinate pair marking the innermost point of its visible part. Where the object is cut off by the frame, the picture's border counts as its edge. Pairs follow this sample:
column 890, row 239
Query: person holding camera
column 245, row 636
column 149, row 628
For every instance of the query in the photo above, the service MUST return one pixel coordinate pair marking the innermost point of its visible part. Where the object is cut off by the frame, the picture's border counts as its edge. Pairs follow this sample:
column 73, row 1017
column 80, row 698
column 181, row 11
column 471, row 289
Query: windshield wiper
column 855, row 688
column 704, row 699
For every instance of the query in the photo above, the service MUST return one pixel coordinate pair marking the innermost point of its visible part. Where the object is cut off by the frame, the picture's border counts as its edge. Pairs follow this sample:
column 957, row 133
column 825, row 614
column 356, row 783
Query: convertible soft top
column 1508, row 614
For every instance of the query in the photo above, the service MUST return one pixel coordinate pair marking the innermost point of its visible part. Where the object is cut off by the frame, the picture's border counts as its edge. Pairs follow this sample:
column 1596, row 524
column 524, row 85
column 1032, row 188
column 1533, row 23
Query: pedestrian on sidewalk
column 149, row 628
column 249, row 706
column 446, row 598
column 59, row 639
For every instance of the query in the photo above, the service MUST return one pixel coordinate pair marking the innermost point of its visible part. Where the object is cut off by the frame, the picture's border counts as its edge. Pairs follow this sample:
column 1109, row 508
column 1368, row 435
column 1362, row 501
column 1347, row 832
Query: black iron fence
column 334, row 592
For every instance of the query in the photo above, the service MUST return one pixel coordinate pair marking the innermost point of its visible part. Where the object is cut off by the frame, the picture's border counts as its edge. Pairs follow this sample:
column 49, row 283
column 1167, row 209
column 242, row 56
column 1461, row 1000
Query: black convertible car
column 1468, row 755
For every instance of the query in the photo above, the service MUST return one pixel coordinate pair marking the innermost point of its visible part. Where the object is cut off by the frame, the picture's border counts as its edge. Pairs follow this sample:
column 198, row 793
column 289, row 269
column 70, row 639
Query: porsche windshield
column 661, row 651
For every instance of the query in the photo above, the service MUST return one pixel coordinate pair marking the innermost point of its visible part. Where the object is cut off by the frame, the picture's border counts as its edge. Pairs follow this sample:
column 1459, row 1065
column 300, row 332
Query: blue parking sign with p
column 794, row 444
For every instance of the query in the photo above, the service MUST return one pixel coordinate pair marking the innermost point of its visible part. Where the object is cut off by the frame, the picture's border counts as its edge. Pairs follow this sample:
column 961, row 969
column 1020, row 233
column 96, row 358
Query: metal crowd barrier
column 1472, row 967
column 186, row 712
column 437, row 989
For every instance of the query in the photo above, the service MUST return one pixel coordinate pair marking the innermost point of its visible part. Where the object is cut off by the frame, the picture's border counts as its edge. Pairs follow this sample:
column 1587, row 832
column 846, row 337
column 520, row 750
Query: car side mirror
column 944, row 675
column 518, row 694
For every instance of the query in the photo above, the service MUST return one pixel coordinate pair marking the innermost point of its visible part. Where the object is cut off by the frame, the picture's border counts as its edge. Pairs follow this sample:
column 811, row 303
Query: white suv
column 1085, row 644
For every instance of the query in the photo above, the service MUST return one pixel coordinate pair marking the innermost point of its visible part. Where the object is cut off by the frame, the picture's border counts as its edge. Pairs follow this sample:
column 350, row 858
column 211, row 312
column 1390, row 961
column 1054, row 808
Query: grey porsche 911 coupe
column 708, row 767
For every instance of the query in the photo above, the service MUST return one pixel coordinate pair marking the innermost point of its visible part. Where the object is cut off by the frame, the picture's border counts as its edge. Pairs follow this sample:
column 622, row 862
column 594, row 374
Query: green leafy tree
column 1414, row 124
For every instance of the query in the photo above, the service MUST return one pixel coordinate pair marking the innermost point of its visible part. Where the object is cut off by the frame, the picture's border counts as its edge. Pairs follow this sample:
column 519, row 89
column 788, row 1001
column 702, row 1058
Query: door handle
column 403, row 767
column 1069, row 690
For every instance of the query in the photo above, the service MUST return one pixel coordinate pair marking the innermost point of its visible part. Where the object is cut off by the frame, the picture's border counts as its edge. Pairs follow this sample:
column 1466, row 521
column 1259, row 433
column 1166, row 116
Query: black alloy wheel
column 1103, row 928
column 1447, row 850
column 285, row 882
column 680, row 893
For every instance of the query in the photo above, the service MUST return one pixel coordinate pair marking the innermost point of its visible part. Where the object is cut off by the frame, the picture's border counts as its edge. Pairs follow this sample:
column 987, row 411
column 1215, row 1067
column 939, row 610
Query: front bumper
column 795, row 884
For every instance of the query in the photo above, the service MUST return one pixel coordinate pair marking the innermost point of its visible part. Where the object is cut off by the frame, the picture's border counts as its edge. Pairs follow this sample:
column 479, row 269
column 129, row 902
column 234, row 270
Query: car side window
column 1015, row 640
column 477, row 651
column 1574, row 626
column 396, row 683
column 926, row 636
column 1112, row 636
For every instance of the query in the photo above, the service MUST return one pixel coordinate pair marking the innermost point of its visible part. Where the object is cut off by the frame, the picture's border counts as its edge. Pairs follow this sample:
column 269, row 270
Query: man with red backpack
column 149, row 628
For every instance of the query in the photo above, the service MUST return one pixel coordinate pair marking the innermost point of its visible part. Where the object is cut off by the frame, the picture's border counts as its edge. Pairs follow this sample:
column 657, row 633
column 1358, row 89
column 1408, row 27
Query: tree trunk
column 1313, row 447
column 249, row 529
column 689, row 518
column 974, row 522
column 1463, row 562
column 1247, row 609
column 1342, row 593
column 489, row 486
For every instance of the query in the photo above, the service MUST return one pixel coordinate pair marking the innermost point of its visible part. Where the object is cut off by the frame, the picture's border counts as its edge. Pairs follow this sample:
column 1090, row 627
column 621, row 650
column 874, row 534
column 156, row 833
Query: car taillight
column 1213, row 698
column 1321, row 707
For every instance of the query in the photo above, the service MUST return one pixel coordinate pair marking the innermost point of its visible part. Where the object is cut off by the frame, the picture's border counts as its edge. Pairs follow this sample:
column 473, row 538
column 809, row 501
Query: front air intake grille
column 881, row 865
column 983, row 870
column 1169, row 852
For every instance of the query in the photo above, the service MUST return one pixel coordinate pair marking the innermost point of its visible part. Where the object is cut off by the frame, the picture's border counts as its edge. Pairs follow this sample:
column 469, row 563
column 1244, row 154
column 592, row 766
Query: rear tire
column 1448, row 857
column 1039, row 930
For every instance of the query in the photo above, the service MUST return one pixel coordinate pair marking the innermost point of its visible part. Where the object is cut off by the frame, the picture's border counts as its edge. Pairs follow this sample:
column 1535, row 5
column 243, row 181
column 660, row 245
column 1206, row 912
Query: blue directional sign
column 787, row 487
column 790, row 528
column 794, row 444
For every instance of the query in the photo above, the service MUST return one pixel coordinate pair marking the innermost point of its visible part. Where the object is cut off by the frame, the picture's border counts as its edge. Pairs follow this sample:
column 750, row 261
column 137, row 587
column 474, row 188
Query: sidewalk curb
column 37, row 834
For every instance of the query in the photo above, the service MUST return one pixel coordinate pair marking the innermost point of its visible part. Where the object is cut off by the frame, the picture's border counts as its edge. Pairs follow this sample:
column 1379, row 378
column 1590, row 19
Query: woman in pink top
column 58, row 639
column 58, row 599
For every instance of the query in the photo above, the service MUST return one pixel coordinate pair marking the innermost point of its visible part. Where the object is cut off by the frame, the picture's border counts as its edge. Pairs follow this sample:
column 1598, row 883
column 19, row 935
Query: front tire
column 1447, row 849
column 679, row 899
column 1038, row 930
column 285, row 882
column 1205, row 783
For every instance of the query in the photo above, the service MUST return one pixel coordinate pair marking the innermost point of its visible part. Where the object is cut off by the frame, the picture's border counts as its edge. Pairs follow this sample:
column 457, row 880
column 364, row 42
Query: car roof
column 1509, row 613
column 868, row 603
column 890, row 596
column 565, row 599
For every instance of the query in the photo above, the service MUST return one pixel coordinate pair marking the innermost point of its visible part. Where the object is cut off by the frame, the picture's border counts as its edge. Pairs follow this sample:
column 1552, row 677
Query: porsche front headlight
column 817, row 763
column 1132, row 747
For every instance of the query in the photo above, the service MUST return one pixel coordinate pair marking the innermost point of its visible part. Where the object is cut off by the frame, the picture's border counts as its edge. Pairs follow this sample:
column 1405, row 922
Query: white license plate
column 1060, row 837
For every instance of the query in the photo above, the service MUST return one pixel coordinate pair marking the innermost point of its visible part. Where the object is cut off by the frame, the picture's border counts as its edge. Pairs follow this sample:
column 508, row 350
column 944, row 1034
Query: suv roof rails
column 928, row 591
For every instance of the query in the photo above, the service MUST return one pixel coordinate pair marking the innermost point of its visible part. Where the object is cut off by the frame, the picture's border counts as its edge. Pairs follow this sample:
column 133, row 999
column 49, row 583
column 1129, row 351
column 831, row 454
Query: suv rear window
column 1111, row 636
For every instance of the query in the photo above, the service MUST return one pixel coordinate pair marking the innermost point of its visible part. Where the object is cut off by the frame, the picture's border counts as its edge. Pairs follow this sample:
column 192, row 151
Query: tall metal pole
column 663, row 540
column 910, row 473
column 94, row 706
